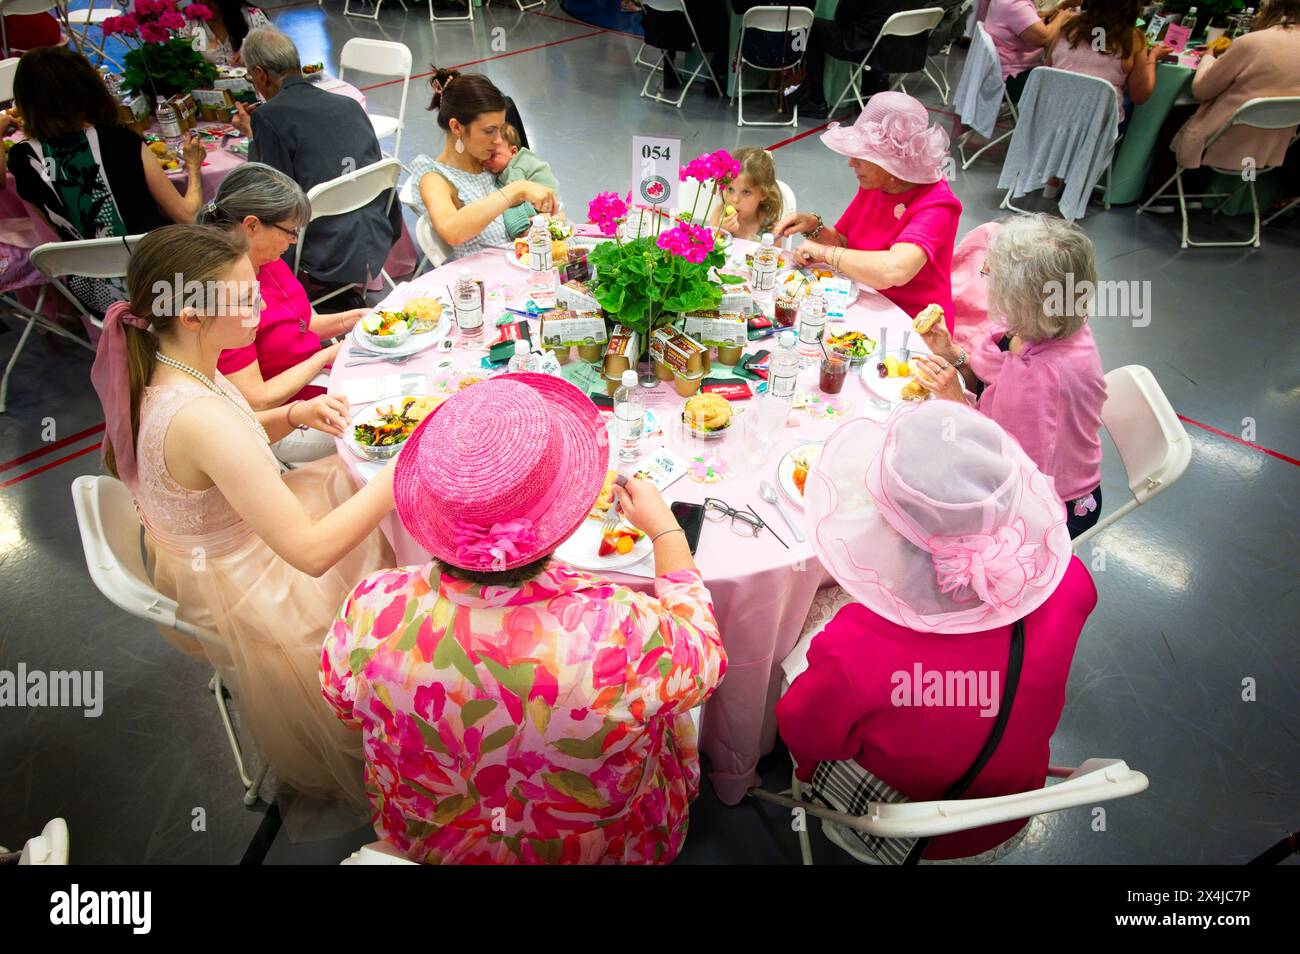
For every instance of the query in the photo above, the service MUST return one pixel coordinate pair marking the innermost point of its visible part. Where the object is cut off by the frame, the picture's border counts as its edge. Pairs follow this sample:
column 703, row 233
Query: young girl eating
column 751, row 204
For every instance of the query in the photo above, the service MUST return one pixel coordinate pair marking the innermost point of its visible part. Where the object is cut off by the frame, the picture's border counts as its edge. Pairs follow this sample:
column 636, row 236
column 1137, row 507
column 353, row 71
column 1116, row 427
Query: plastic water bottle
column 170, row 125
column 629, row 418
column 783, row 369
column 539, row 245
column 468, row 305
column 523, row 360
column 812, row 324
column 1189, row 21
column 763, row 274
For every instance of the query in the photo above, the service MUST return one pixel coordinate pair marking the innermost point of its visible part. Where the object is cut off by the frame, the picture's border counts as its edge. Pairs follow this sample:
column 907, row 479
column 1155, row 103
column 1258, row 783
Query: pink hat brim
column 847, row 141
column 587, row 440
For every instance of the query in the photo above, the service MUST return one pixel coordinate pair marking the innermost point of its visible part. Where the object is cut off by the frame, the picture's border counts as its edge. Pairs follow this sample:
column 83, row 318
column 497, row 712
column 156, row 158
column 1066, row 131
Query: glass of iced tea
column 834, row 369
column 786, row 310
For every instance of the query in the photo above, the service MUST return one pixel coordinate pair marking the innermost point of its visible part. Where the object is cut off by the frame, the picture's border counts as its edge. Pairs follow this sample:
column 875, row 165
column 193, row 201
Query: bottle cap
column 768, row 238
column 522, row 347
column 466, row 275
column 786, row 339
column 629, row 378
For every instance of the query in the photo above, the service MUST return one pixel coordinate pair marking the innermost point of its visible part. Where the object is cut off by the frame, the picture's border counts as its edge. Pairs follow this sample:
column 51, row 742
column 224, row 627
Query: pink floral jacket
column 543, row 723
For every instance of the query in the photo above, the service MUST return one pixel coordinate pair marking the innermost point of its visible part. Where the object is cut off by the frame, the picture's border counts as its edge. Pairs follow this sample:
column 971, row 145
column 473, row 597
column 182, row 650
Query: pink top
column 1049, row 398
column 1082, row 58
column 1004, row 22
column 858, row 700
column 284, row 335
column 925, row 216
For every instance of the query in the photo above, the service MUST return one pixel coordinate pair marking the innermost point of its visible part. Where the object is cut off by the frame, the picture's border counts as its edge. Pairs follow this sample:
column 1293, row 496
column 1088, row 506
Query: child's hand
column 731, row 223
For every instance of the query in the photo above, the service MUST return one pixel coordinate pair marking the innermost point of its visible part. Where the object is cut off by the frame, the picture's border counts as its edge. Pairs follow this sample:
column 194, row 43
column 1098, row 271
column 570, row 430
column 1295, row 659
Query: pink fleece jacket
column 846, row 705
column 1049, row 398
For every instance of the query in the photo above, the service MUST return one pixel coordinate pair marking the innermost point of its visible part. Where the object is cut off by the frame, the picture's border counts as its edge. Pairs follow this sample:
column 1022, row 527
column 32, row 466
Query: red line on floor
column 52, row 446
column 499, row 56
column 1233, row 437
column 54, row 463
column 807, row 132
column 552, row 16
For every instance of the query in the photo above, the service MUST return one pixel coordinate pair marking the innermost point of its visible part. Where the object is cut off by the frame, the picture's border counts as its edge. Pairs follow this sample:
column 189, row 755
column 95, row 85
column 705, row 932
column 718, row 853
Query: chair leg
column 13, row 360
column 805, row 844
column 1158, row 193
column 1182, row 203
column 251, row 785
column 966, row 163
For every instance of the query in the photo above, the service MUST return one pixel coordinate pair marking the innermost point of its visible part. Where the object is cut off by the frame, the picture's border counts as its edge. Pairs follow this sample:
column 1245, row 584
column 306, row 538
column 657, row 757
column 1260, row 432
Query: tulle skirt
column 270, row 621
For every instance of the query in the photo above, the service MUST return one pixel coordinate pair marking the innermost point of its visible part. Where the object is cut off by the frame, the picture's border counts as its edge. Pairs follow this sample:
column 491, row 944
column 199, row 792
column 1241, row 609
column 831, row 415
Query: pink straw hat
column 894, row 132
column 936, row 519
column 503, row 472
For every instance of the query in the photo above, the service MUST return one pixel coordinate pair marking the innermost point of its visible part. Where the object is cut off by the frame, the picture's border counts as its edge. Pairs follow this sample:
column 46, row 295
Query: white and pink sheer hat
column 894, row 132
column 936, row 519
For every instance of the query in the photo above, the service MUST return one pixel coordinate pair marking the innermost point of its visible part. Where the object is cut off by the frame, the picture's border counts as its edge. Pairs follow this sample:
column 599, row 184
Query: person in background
column 945, row 569
column 258, row 557
column 516, row 711
column 510, row 161
column 223, row 35
column 753, row 197
column 286, row 360
column 897, row 234
column 1039, row 375
column 313, row 136
column 465, row 205
column 1020, row 33
column 88, row 176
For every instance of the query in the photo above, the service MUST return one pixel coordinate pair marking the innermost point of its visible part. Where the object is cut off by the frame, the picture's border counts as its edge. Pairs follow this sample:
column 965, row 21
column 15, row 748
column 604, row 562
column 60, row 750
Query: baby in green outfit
column 509, row 162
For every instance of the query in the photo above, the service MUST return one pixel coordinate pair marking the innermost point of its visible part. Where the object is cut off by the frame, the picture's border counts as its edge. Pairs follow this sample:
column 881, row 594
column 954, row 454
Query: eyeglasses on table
column 743, row 523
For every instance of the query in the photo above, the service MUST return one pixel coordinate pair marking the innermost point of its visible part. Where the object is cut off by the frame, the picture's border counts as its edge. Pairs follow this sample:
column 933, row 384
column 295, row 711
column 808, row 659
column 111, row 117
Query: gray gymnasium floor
column 1196, row 589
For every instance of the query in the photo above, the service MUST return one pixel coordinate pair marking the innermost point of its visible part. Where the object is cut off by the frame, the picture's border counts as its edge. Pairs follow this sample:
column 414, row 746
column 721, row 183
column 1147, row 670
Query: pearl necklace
column 207, row 382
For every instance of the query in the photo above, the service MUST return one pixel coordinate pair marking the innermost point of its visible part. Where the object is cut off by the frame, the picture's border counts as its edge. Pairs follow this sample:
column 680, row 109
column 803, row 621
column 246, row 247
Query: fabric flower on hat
column 992, row 567
column 481, row 546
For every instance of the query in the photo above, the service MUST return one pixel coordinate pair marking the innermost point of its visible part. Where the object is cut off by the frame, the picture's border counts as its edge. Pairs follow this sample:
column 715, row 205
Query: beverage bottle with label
column 812, row 323
column 523, row 360
column 169, row 125
column 1189, row 21
column 763, row 274
column 629, row 418
column 783, row 369
column 468, row 305
column 541, row 274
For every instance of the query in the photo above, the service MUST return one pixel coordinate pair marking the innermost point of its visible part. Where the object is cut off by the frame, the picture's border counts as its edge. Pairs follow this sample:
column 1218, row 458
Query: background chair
column 345, row 194
column 1265, row 112
column 980, row 94
column 775, row 22
column 86, row 18
column 789, row 205
column 433, row 250
column 8, row 67
column 347, row 9
column 111, row 537
column 27, row 8
column 50, row 847
column 902, row 24
column 381, row 58
column 467, row 15
column 949, row 30
column 1151, row 440
column 664, row 32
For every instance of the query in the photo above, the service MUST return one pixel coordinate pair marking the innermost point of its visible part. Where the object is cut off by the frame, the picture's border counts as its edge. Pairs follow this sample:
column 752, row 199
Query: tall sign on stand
column 656, row 166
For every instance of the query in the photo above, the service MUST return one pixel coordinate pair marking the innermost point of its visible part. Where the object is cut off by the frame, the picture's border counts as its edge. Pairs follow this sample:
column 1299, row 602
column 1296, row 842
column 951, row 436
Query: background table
column 761, row 590
column 1136, row 151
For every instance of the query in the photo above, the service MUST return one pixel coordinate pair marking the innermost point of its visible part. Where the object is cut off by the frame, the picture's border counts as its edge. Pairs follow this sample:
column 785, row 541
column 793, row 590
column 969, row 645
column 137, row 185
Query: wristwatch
column 817, row 231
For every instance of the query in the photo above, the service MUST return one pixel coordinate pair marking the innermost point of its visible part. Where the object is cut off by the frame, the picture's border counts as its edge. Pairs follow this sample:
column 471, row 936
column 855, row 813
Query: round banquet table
column 761, row 590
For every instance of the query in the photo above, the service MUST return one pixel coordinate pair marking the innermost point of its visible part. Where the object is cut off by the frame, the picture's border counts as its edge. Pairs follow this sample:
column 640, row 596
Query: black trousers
column 1077, row 525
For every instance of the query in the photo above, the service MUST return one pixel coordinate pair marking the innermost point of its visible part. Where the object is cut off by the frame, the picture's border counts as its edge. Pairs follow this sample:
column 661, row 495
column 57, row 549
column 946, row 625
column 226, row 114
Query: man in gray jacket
column 312, row 136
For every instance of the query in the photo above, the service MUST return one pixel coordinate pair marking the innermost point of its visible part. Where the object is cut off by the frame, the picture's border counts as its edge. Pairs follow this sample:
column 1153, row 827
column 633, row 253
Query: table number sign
column 656, row 164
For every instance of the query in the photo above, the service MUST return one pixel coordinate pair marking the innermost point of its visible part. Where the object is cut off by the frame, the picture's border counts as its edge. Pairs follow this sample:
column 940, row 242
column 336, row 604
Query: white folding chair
column 905, row 23
column 1096, row 780
column 28, row 8
column 1276, row 215
column 678, row 6
column 467, row 15
column 789, row 206
column 936, row 71
column 1264, row 112
column 638, row 61
column 112, row 541
column 347, row 9
column 86, row 18
column 345, row 194
column 381, row 58
column 779, row 21
column 433, row 249
column 1151, row 440
column 981, row 75
column 376, row 853
column 50, row 847
column 8, row 67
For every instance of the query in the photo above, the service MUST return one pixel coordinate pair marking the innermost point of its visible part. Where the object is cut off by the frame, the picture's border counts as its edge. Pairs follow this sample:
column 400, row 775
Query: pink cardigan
column 1049, row 398
column 843, row 706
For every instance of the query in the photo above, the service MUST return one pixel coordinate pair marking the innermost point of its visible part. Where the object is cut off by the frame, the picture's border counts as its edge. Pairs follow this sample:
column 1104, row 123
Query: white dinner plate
column 580, row 550
column 574, row 241
column 888, row 389
column 412, row 345
column 785, row 475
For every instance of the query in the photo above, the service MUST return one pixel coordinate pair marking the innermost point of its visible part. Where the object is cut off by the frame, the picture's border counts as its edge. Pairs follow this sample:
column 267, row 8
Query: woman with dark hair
column 1123, row 60
column 88, row 176
column 462, row 199
column 224, row 34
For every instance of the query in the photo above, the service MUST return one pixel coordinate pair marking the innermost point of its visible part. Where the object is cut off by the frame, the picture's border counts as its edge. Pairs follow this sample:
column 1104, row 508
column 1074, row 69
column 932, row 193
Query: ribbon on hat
column 110, row 375
column 480, row 546
column 907, row 136
column 992, row 567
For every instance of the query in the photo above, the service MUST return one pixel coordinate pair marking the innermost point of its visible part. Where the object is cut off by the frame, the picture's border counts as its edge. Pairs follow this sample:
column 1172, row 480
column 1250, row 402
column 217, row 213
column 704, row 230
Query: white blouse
column 220, row 51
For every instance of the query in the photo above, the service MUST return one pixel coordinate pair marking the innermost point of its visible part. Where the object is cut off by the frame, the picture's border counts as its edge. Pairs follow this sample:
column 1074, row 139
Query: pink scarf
column 111, row 378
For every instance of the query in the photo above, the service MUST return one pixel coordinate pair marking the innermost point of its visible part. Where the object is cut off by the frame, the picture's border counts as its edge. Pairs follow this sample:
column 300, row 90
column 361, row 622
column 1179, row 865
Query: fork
column 612, row 517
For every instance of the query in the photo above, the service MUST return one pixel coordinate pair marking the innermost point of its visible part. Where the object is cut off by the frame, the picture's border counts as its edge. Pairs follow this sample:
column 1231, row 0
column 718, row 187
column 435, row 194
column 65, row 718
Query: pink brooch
column 899, row 210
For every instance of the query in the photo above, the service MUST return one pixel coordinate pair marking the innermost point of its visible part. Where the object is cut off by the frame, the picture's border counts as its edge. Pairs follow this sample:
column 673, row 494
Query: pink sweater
column 1049, row 398
column 843, row 706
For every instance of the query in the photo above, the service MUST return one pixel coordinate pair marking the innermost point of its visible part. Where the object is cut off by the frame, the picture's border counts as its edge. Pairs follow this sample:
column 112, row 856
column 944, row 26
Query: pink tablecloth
column 761, row 590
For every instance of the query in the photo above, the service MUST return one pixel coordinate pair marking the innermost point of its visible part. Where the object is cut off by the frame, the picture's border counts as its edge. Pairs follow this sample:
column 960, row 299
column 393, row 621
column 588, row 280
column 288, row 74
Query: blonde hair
column 757, row 166
column 190, row 253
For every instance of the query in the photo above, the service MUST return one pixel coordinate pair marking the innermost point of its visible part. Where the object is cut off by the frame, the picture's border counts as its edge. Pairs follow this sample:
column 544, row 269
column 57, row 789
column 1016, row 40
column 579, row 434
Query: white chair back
column 382, row 58
column 50, row 847
column 789, row 205
column 7, row 70
column 87, row 258
column 980, row 89
column 665, row 6
column 1151, row 440
column 432, row 245
column 1263, row 112
column 350, row 192
column 777, row 19
column 912, row 22
column 27, row 7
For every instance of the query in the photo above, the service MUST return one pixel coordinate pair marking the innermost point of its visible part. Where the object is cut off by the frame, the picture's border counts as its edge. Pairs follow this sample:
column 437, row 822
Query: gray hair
column 1038, row 264
column 272, row 50
column 256, row 189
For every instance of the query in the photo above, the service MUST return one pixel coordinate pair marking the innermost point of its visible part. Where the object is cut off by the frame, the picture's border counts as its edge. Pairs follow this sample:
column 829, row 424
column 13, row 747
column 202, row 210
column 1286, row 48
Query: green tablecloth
column 1133, row 161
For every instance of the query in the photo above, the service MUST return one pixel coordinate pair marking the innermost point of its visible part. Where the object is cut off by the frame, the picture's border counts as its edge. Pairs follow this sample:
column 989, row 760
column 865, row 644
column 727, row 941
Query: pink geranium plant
column 161, row 58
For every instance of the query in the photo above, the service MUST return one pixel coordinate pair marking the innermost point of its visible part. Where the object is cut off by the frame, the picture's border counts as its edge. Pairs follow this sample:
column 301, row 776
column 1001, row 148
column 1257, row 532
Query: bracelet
column 962, row 357
column 288, row 414
column 817, row 231
column 662, row 532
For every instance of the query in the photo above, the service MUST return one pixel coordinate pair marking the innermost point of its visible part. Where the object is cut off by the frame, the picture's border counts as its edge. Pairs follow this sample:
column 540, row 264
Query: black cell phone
column 691, row 518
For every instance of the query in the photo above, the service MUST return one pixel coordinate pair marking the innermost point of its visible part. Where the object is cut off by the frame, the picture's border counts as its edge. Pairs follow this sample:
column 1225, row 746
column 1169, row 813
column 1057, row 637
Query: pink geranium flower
column 606, row 210
column 153, row 33
column 197, row 11
column 691, row 242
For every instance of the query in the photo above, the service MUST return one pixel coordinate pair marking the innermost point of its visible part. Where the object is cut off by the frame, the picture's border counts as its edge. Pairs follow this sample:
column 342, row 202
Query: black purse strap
column 1015, row 657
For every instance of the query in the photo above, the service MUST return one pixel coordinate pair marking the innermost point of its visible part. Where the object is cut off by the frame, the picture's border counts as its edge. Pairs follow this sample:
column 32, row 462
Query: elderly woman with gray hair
column 285, row 359
column 1041, row 377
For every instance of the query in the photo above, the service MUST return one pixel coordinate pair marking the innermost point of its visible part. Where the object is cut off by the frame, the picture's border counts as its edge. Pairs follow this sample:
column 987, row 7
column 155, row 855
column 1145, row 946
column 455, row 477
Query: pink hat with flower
column 936, row 519
column 502, row 472
column 894, row 132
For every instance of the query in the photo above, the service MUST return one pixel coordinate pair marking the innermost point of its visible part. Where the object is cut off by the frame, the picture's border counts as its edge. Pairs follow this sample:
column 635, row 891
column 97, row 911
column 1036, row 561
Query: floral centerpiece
column 665, row 271
column 161, row 60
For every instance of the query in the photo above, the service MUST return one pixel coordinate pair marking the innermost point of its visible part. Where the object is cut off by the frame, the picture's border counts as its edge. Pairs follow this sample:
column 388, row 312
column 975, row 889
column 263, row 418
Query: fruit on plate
column 708, row 413
column 158, row 148
column 467, row 381
column 618, row 541
column 891, row 367
column 605, row 499
column 394, row 422
column 803, row 460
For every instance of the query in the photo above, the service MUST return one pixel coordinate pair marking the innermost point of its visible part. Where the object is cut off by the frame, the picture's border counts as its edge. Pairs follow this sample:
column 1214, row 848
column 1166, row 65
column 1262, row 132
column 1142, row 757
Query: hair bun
column 438, row 82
